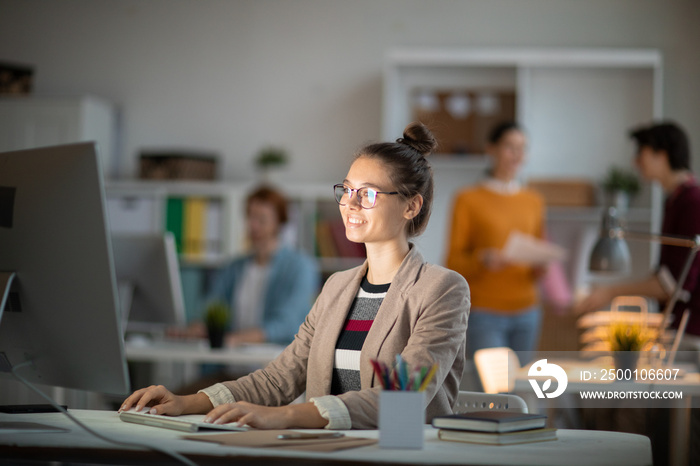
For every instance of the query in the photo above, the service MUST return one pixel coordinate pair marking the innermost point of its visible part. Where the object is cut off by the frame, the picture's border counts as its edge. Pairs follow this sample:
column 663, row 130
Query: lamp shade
column 610, row 253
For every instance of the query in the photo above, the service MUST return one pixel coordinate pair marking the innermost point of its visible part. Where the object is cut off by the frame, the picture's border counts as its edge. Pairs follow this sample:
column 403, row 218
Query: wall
column 233, row 76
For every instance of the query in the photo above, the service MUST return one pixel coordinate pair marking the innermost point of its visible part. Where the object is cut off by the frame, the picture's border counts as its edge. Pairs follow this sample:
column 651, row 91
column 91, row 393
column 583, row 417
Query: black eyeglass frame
column 345, row 188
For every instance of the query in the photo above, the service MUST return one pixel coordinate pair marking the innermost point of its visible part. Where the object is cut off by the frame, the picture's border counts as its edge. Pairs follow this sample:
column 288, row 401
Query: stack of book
column 494, row 427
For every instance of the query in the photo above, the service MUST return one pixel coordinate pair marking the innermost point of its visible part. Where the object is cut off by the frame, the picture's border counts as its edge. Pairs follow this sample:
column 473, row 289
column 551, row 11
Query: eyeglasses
column 367, row 197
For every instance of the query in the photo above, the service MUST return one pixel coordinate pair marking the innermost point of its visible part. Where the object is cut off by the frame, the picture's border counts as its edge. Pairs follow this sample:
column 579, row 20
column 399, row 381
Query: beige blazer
column 423, row 317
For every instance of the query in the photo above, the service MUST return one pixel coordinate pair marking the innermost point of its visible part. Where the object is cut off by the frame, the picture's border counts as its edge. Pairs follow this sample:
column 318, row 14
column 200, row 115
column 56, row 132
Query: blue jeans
column 519, row 331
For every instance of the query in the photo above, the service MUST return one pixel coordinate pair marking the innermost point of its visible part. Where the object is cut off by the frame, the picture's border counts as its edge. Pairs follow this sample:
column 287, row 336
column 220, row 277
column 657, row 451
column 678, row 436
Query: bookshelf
column 316, row 228
column 203, row 216
column 213, row 213
column 576, row 104
column 208, row 221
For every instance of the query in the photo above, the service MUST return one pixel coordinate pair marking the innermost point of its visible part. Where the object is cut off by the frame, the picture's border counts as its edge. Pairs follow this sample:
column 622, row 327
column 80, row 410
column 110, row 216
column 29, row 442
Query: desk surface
column 572, row 447
column 198, row 351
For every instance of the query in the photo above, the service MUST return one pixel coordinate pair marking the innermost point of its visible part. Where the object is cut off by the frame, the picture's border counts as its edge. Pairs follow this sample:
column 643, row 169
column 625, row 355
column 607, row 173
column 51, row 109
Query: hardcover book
column 498, row 438
column 491, row 421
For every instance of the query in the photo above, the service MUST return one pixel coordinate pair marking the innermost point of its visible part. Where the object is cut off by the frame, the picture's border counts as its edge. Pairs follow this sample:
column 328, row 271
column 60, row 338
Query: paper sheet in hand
column 526, row 249
column 268, row 439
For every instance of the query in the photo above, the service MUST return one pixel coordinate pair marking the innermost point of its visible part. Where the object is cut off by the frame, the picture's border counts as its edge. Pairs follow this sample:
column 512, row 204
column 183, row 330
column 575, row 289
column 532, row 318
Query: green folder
column 174, row 220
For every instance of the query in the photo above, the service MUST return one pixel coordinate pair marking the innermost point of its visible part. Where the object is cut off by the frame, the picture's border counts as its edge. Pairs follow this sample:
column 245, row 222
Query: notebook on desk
column 185, row 423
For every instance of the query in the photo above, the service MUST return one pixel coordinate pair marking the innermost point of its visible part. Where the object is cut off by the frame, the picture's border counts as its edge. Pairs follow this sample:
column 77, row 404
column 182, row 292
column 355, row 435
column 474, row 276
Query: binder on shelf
column 324, row 240
column 194, row 225
column 343, row 246
column 174, row 215
column 213, row 233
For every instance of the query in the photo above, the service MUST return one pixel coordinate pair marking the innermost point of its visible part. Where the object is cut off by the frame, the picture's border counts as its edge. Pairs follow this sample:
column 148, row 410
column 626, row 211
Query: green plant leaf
column 216, row 315
column 271, row 156
column 619, row 179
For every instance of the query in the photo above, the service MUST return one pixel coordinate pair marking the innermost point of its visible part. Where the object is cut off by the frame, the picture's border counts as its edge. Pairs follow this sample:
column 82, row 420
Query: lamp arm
column 692, row 243
column 679, row 289
column 662, row 239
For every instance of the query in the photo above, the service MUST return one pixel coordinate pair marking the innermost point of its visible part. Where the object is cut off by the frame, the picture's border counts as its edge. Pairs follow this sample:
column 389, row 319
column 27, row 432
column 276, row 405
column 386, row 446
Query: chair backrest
column 496, row 368
column 476, row 401
column 594, row 327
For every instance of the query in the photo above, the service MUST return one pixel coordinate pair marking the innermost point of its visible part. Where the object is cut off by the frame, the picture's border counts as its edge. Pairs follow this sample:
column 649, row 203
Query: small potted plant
column 216, row 320
column 626, row 341
column 270, row 158
column 620, row 186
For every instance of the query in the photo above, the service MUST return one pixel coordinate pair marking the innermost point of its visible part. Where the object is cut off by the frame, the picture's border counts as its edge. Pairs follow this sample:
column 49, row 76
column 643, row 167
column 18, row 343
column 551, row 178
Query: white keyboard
column 186, row 423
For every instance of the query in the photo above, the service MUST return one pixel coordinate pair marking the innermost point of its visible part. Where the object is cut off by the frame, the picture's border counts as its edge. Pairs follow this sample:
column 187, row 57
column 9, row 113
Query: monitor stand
column 126, row 296
column 5, row 284
column 6, row 280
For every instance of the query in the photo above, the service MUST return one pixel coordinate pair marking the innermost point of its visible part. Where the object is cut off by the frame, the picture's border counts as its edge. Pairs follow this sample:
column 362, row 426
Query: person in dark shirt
column 663, row 155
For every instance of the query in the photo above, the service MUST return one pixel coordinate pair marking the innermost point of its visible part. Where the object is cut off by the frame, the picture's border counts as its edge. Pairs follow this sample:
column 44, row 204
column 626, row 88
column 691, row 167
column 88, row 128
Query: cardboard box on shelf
column 565, row 192
column 16, row 78
column 177, row 165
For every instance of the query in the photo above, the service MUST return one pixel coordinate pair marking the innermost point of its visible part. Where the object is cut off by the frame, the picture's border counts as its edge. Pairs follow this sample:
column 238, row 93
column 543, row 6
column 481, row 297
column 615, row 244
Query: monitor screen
column 148, row 279
column 61, row 310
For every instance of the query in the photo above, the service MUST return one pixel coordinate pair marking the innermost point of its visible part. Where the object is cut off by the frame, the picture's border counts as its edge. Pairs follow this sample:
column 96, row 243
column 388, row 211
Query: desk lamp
column 611, row 254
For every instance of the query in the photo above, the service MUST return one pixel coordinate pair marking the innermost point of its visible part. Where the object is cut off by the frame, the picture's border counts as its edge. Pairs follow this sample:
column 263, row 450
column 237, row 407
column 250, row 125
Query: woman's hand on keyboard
column 162, row 401
column 301, row 415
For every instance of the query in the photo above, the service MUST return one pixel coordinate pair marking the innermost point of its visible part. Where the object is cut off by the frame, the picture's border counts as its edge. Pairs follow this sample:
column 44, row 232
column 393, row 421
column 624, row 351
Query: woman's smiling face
column 385, row 221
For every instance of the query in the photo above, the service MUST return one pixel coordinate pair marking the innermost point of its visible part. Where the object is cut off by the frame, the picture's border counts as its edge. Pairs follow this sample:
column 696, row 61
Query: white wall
column 232, row 76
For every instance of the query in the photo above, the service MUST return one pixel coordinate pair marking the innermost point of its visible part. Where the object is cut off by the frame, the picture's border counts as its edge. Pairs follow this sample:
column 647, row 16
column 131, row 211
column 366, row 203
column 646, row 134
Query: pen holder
column 401, row 419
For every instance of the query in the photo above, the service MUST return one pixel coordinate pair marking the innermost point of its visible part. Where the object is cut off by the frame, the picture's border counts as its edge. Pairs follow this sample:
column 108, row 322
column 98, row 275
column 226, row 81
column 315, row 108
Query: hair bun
column 418, row 136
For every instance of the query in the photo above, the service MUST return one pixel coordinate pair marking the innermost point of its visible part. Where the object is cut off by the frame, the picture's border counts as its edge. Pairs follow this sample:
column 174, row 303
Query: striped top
column 346, row 369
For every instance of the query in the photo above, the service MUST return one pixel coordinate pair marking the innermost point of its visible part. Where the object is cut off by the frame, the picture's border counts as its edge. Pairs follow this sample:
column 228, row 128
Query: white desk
column 573, row 447
column 688, row 384
column 199, row 352
column 177, row 362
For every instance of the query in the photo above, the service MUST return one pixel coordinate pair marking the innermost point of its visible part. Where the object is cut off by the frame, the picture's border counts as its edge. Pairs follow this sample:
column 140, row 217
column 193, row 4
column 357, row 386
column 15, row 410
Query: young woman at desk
column 395, row 303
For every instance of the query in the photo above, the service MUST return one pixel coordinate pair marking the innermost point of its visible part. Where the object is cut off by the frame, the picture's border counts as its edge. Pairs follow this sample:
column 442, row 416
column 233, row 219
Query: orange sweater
column 483, row 218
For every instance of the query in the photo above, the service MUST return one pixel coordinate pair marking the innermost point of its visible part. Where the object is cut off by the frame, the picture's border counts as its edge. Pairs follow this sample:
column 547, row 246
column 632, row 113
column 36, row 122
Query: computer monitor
column 61, row 312
column 148, row 279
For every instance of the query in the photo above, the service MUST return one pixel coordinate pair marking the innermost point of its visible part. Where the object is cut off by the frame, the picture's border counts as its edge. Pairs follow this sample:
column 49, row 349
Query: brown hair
column 665, row 136
column 271, row 196
column 409, row 169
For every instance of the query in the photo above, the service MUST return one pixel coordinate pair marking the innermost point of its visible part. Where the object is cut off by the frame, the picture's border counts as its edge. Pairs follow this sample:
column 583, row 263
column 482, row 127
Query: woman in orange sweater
column 505, row 301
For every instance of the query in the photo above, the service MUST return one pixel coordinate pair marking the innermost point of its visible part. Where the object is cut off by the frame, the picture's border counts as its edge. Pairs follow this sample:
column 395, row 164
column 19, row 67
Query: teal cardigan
column 292, row 288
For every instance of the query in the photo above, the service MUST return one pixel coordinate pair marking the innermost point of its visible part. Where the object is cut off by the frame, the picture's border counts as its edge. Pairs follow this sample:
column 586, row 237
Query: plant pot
column 273, row 175
column 626, row 360
column 216, row 337
column 620, row 200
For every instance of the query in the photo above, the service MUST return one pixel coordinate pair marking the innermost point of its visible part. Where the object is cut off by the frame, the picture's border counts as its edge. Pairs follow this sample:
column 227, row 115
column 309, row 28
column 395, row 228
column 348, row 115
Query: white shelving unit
column 312, row 203
column 577, row 106
column 27, row 122
column 140, row 206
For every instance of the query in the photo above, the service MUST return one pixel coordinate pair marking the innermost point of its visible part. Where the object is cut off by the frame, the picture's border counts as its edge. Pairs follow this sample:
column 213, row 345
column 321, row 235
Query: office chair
column 493, row 366
column 476, row 401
